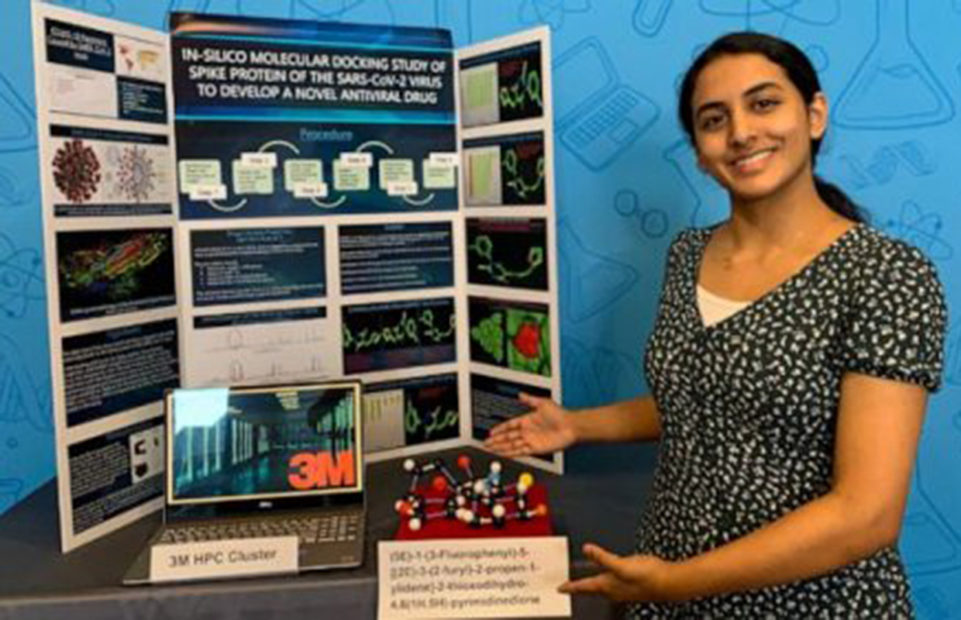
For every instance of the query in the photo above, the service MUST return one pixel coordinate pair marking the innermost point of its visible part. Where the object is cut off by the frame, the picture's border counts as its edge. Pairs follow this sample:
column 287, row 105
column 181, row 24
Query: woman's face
column 752, row 129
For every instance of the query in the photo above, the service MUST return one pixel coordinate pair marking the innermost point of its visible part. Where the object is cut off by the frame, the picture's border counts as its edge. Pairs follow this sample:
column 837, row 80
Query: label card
column 302, row 171
column 199, row 173
column 439, row 176
column 208, row 192
column 268, row 160
column 356, row 159
column 483, row 578
column 252, row 179
column 223, row 558
column 351, row 177
column 402, row 188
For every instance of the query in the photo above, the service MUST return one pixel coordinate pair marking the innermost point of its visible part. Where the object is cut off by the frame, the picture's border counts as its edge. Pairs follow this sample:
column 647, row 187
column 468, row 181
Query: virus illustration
column 76, row 171
column 135, row 174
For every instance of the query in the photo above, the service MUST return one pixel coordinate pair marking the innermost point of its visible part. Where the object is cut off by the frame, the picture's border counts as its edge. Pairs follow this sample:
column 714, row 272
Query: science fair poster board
column 105, row 142
column 317, row 173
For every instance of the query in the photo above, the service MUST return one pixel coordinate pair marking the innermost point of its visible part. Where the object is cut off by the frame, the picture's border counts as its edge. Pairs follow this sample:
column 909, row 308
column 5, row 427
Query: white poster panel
column 105, row 145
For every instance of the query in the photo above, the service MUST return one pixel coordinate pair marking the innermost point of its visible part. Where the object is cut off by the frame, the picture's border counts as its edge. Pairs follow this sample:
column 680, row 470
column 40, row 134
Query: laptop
column 598, row 116
column 262, row 462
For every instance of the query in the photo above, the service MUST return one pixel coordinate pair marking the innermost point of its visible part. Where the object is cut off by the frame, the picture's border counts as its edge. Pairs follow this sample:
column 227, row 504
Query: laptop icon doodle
column 598, row 117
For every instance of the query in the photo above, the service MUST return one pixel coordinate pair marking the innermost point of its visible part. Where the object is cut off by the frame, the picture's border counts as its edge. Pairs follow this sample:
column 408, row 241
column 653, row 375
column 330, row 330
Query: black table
column 38, row 582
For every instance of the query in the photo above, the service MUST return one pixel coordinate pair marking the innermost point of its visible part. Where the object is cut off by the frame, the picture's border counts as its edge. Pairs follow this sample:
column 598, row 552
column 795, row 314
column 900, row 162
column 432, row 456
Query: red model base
column 442, row 527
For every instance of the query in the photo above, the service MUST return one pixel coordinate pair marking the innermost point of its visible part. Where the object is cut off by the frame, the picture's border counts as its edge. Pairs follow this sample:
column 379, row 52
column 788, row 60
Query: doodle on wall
column 551, row 12
column 597, row 116
column 922, row 229
column 886, row 161
column 21, row 278
column 651, row 223
column 893, row 87
column 594, row 282
column 16, row 120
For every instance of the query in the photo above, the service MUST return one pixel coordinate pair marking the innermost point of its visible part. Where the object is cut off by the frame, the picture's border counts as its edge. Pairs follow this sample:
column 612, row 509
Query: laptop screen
column 227, row 444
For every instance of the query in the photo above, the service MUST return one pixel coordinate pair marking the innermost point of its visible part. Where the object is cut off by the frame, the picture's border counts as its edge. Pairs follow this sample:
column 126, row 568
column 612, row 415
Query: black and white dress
column 749, row 407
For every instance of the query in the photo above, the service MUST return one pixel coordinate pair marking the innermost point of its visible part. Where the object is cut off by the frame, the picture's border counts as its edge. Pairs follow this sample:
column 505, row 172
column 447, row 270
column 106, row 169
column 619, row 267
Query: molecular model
column 476, row 501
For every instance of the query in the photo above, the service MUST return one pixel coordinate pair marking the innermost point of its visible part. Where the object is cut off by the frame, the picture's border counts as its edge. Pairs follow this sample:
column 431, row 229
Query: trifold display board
column 257, row 201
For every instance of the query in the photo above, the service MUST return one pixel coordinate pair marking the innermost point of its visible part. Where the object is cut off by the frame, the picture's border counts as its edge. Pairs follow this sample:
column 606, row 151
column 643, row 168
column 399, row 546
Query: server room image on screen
column 262, row 443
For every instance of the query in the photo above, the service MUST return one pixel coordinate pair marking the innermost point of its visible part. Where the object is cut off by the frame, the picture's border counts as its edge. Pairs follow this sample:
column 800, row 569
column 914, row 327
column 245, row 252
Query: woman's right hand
column 546, row 428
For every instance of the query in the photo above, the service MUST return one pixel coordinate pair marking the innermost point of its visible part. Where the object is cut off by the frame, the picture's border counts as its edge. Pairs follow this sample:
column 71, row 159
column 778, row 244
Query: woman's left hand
column 626, row 578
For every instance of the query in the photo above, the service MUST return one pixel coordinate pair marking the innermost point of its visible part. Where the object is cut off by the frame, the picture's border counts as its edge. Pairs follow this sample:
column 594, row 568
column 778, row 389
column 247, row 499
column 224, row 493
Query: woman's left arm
column 879, row 422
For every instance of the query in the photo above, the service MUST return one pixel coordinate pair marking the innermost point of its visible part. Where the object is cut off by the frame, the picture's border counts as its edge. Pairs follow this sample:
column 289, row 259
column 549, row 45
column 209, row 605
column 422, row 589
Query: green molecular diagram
column 483, row 247
column 528, row 337
column 489, row 333
column 430, row 423
column 523, row 335
column 526, row 89
column 515, row 179
column 407, row 331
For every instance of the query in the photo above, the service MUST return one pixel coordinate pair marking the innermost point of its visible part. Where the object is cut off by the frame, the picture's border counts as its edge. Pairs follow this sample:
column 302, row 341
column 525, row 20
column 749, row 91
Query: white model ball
column 414, row 524
column 499, row 511
column 409, row 465
column 496, row 467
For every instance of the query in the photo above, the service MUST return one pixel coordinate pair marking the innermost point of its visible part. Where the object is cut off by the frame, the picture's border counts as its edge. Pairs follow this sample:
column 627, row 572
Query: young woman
column 789, row 365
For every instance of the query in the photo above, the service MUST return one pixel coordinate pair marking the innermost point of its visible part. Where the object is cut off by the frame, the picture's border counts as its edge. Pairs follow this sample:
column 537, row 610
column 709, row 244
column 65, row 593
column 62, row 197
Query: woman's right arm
column 549, row 427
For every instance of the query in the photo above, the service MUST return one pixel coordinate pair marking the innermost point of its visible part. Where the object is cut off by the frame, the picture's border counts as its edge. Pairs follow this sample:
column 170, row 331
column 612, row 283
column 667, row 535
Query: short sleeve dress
column 749, row 407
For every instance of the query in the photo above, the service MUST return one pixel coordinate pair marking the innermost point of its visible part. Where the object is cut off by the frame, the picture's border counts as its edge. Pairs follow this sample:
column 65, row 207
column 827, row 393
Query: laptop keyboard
column 605, row 118
column 308, row 530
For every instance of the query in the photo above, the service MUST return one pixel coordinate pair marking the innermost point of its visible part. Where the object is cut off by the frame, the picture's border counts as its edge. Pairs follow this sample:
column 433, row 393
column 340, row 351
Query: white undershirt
column 715, row 309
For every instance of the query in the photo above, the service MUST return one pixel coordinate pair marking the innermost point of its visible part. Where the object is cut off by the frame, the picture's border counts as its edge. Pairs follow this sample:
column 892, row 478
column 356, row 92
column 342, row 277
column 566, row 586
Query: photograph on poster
column 115, row 472
column 502, row 86
column 411, row 411
column 100, row 172
column 510, row 334
column 262, row 442
column 119, row 369
column 247, row 265
column 99, row 74
column 107, row 272
column 398, row 334
column 395, row 257
column 259, row 348
column 504, row 170
column 510, row 252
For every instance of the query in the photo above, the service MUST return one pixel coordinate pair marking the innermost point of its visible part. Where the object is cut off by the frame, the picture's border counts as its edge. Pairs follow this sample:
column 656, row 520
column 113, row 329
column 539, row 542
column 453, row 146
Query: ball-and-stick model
column 477, row 501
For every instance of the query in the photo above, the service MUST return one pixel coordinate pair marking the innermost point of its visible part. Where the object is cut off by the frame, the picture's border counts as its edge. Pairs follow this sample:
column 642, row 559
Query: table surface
column 37, row 581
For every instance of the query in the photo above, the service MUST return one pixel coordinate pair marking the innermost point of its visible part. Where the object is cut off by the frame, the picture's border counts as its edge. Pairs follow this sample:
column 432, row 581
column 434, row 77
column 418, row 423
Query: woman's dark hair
column 801, row 73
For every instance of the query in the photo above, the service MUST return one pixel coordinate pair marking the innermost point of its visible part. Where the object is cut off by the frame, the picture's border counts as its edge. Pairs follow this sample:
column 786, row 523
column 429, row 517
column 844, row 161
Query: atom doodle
column 408, row 330
column 526, row 89
column 21, row 279
column 516, row 180
column 135, row 174
column 76, row 171
column 483, row 246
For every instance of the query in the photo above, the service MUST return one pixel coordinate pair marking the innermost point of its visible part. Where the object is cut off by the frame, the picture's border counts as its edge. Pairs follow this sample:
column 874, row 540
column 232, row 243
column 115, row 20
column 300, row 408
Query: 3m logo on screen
column 319, row 470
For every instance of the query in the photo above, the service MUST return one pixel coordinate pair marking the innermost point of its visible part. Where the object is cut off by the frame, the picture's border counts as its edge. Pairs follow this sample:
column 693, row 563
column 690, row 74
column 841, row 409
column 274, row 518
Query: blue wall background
column 892, row 71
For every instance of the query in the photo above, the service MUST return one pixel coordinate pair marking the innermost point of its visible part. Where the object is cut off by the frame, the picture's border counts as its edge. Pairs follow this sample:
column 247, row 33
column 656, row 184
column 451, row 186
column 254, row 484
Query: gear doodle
column 76, row 171
column 135, row 174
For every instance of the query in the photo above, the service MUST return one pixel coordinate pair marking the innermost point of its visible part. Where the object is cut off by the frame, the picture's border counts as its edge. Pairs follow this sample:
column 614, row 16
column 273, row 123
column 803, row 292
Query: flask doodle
column 893, row 87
